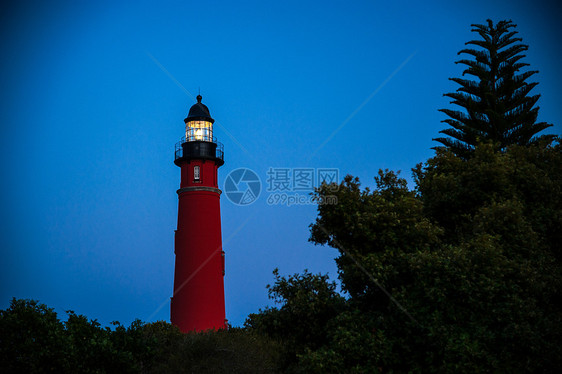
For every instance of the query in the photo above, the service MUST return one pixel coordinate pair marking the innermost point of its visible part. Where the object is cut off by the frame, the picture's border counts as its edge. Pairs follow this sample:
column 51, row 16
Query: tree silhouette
column 497, row 105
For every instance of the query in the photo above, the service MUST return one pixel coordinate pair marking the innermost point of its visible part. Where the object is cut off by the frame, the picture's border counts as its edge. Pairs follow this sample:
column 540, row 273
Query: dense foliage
column 462, row 274
column 496, row 105
column 310, row 302
column 34, row 340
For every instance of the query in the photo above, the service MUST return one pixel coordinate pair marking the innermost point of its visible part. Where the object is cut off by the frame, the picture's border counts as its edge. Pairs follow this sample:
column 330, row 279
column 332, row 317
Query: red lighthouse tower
column 198, row 300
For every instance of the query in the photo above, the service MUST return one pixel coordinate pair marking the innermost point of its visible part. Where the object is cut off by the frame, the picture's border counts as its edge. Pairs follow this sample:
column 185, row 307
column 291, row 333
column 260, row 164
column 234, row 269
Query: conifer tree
column 497, row 103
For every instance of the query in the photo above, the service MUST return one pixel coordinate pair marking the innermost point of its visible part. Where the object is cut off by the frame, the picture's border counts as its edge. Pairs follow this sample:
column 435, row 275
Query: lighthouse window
column 199, row 131
column 196, row 174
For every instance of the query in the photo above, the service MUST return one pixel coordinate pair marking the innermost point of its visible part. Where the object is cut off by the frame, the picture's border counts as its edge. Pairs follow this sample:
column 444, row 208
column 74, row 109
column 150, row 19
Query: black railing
column 220, row 150
column 199, row 149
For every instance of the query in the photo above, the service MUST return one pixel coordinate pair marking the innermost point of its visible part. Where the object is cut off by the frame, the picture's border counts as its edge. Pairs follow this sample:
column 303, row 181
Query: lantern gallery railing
column 220, row 150
column 199, row 148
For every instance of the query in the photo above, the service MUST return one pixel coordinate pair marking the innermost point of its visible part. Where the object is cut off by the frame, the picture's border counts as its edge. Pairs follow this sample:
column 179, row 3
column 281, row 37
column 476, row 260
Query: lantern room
column 199, row 142
column 199, row 124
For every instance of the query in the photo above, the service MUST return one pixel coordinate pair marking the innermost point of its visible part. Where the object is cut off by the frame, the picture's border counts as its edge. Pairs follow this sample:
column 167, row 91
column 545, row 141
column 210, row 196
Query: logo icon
column 242, row 186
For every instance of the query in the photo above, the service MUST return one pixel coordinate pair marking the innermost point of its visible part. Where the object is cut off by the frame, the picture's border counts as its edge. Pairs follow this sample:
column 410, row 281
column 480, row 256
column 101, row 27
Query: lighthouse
column 197, row 303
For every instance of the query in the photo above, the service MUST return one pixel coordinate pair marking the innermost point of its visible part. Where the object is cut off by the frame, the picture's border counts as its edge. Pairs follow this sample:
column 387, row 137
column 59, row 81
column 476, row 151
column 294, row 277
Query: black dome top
column 199, row 112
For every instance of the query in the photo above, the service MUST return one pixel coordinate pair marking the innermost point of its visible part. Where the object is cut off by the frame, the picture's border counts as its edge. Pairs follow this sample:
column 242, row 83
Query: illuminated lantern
column 198, row 300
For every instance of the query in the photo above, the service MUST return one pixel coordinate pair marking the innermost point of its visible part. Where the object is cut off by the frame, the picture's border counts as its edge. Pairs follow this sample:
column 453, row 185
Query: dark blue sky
column 93, row 98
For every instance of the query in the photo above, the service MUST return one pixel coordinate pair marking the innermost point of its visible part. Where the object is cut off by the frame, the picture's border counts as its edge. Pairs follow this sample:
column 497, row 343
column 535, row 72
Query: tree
column 32, row 339
column 308, row 302
column 454, row 191
column 366, row 225
column 497, row 104
column 461, row 275
column 234, row 350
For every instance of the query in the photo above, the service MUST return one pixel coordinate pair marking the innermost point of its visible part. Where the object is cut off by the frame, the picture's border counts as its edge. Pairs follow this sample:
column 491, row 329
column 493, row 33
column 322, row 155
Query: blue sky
column 93, row 97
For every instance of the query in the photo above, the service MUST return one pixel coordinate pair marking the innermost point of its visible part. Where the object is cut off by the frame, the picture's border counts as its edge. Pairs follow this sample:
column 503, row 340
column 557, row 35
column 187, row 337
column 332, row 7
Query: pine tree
column 497, row 103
